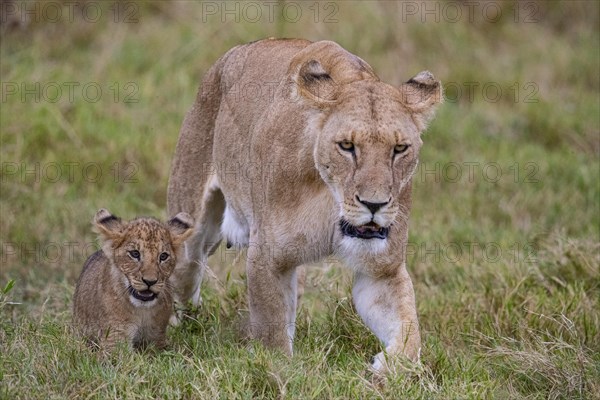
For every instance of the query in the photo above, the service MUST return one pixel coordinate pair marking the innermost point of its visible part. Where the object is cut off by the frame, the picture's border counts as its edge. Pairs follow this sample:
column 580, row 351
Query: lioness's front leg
column 387, row 306
column 272, row 300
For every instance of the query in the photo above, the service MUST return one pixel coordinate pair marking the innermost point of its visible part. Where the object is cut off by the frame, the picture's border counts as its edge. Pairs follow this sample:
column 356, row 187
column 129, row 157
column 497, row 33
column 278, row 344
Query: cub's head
column 368, row 141
column 143, row 251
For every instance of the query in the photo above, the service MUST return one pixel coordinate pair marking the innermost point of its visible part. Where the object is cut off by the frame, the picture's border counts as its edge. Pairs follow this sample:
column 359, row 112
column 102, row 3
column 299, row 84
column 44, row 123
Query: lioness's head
column 142, row 251
column 368, row 139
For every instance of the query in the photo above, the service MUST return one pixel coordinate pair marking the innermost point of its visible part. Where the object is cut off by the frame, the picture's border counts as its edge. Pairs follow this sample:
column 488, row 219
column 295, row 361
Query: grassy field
column 505, row 230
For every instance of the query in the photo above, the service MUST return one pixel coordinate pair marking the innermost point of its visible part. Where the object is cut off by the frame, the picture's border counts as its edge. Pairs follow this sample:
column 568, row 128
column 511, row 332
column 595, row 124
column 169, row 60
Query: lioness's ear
column 181, row 227
column 108, row 225
column 422, row 94
column 315, row 84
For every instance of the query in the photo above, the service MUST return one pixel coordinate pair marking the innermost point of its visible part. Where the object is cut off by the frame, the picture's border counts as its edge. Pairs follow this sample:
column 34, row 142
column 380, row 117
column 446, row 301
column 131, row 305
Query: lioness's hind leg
column 301, row 283
column 187, row 277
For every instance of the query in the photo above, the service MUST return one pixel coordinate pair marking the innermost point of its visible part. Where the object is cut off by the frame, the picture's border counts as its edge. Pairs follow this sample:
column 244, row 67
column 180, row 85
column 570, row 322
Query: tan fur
column 259, row 163
column 104, row 309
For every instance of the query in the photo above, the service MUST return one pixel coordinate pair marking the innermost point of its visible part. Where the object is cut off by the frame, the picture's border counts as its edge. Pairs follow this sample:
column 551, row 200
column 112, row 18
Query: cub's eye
column 346, row 145
column 400, row 148
column 164, row 256
column 134, row 254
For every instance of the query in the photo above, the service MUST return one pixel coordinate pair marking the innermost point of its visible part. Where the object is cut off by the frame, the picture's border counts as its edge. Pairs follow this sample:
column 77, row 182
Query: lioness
column 123, row 292
column 298, row 151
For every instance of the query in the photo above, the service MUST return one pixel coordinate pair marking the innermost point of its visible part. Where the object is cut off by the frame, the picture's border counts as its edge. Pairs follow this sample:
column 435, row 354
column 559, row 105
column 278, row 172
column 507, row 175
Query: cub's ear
column 314, row 83
column 421, row 94
column 108, row 225
column 181, row 227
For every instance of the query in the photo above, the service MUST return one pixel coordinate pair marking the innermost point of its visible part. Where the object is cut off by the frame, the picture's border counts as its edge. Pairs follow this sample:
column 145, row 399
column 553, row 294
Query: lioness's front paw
column 379, row 365
column 385, row 363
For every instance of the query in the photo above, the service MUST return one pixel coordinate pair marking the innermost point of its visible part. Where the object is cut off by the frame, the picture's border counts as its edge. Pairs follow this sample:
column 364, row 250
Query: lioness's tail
column 192, row 164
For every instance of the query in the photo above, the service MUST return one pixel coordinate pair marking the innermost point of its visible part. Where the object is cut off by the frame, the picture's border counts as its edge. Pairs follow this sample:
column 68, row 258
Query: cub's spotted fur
column 123, row 292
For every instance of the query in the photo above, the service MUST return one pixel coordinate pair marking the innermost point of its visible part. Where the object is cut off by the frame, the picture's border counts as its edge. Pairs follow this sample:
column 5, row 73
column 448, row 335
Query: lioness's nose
column 149, row 282
column 373, row 207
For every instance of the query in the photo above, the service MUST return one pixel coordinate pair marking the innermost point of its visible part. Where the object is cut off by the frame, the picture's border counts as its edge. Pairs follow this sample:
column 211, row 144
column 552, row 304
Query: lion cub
column 123, row 293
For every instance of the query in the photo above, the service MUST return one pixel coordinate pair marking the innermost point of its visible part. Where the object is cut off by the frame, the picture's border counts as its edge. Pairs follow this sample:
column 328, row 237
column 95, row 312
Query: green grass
column 506, row 268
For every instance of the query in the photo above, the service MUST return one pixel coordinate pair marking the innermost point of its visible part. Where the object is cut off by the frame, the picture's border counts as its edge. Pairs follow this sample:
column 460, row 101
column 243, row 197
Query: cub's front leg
column 112, row 336
column 387, row 306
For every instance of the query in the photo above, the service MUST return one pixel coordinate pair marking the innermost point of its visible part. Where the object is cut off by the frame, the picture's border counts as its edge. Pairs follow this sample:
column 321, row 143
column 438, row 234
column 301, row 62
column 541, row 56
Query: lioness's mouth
column 367, row 231
column 144, row 295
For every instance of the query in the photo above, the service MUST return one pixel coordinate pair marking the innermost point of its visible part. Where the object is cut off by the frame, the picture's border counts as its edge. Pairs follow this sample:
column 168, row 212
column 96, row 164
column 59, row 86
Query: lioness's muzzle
column 367, row 231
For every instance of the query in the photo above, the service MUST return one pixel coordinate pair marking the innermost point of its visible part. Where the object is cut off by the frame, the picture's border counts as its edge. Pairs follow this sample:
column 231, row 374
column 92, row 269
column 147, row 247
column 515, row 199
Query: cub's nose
column 373, row 207
column 149, row 282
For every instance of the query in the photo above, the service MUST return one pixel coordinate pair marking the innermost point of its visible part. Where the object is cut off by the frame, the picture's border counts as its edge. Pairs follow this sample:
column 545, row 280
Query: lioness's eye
column 346, row 145
column 164, row 256
column 400, row 148
column 134, row 254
